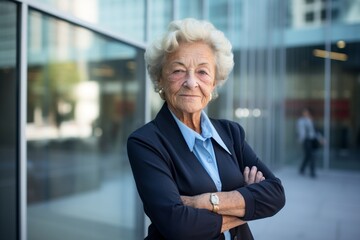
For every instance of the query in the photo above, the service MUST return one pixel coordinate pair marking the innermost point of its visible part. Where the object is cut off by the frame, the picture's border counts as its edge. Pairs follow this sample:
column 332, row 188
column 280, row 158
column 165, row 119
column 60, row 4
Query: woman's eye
column 203, row 72
column 178, row 71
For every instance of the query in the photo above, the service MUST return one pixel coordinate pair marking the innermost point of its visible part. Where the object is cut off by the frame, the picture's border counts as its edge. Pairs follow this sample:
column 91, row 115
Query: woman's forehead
column 201, row 53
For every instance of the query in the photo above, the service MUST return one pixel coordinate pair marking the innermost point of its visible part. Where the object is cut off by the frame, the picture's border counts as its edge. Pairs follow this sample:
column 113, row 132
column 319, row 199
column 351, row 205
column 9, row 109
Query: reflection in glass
column 344, row 99
column 8, row 131
column 306, row 77
column 160, row 14
column 315, row 13
column 84, row 98
column 252, row 93
column 193, row 9
column 219, row 14
column 125, row 17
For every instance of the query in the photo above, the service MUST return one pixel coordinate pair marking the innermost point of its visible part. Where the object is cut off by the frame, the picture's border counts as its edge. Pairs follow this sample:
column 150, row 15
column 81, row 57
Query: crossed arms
column 232, row 204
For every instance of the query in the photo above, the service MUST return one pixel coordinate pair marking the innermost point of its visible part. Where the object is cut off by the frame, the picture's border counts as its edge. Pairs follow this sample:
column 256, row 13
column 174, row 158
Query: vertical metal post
column 269, row 64
column 327, row 88
column 148, row 85
column 148, row 88
column 282, row 82
column 230, row 83
column 22, row 120
column 175, row 9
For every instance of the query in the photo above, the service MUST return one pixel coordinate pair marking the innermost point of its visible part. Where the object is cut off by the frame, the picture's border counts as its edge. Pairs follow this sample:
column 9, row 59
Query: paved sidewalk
column 325, row 208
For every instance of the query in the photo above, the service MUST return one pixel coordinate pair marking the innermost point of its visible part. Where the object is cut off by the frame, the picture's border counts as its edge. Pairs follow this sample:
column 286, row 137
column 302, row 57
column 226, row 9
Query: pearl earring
column 162, row 93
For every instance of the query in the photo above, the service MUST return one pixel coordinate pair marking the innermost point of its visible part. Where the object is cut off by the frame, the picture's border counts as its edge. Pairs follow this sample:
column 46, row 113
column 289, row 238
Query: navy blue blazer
column 164, row 168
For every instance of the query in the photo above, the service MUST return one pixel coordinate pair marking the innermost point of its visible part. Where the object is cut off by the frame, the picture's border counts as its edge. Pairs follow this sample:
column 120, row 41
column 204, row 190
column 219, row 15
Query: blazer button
column 235, row 238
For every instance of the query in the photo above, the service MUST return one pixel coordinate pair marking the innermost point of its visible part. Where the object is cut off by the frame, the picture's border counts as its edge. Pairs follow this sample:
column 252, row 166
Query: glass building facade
column 73, row 86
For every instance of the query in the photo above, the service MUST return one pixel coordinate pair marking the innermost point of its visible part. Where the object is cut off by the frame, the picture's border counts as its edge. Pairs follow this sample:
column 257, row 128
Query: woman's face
column 188, row 78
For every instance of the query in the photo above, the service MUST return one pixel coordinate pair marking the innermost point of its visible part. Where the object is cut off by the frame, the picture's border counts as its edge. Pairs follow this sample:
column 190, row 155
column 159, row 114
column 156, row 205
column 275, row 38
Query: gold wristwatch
column 214, row 200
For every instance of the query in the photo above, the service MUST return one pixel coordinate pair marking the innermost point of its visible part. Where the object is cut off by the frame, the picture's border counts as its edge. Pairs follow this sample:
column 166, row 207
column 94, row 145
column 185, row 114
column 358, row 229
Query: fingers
column 259, row 177
column 253, row 175
column 246, row 174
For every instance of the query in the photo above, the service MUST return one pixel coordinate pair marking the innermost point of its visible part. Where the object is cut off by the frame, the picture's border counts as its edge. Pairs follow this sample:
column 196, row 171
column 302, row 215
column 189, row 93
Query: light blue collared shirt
column 201, row 146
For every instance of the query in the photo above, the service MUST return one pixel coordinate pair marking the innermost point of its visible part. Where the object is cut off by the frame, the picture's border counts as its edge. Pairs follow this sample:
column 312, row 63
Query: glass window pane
column 306, row 77
column 126, row 17
column 252, row 94
column 190, row 8
column 345, row 88
column 84, row 99
column 309, row 17
column 160, row 15
column 219, row 14
column 305, row 88
column 348, row 11
column 8, row 131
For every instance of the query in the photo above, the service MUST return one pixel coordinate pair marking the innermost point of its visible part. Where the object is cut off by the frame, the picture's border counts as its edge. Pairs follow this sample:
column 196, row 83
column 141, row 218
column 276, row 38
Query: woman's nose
column 191, row 80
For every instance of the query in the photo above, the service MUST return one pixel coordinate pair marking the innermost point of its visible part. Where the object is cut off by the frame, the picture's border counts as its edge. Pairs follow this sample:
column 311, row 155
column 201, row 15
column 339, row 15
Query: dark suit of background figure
column 164, row 168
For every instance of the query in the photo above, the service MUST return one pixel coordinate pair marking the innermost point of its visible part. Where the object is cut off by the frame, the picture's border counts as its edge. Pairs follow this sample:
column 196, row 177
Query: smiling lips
column 189, row 96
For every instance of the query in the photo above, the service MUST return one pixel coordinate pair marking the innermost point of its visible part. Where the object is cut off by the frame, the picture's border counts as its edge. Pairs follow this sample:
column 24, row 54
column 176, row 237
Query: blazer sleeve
column 263, row 199
column 159, row 193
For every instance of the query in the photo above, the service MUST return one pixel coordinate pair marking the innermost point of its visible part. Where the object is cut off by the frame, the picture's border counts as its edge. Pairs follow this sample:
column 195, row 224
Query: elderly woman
column 197, row 177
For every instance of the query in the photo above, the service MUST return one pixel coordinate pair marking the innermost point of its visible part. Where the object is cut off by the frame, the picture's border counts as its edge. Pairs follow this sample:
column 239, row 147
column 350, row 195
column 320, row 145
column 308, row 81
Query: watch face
column 214, row 199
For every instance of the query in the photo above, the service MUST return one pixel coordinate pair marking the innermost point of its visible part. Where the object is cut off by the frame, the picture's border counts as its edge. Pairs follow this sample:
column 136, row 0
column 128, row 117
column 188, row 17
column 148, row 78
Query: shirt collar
column 207, row 131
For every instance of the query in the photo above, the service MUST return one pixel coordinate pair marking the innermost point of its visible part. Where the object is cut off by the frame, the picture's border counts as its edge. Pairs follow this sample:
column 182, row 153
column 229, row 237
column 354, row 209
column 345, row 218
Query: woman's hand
column 252, row 175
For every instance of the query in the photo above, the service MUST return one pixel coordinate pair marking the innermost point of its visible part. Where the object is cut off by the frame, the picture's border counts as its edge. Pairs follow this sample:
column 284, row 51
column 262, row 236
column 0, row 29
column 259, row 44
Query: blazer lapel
column 169, row 128
column 228, row 165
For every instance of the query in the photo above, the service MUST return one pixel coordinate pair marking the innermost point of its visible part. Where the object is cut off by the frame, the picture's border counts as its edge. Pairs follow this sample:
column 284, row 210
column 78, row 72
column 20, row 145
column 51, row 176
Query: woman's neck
column 192, row 120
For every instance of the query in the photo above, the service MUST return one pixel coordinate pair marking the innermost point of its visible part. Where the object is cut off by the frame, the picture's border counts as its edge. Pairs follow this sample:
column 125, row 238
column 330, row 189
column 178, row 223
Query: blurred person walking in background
column 310, row 140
